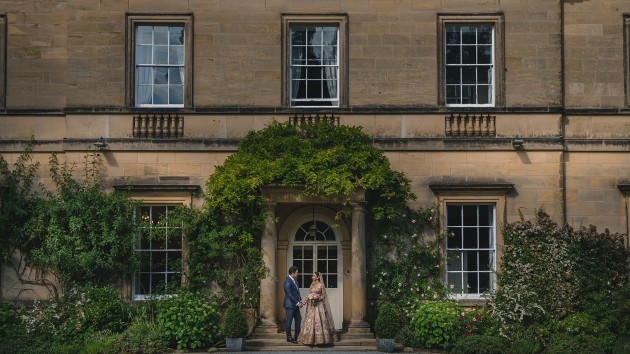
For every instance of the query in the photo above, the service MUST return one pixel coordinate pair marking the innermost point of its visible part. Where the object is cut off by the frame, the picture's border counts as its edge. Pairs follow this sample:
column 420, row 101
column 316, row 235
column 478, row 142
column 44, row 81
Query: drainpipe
column 563, row 117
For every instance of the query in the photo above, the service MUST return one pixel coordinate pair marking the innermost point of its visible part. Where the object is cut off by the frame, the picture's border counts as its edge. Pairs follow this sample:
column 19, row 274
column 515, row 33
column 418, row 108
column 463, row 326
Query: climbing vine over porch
column 324, row 160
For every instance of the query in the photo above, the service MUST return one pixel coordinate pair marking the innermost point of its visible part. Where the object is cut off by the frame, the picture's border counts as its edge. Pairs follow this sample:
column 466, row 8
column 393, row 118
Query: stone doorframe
column 269, row 286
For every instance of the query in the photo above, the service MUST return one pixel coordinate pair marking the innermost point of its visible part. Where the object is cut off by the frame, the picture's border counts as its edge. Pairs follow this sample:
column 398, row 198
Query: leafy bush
column 190, row 321
column 406, row 259
column 484, row 344
column 234, row 322
column 86, row 235
column 388, row 321
column 104, row 310
column 140, row 338
column 549, row 271
column 581, row 333
column 435, row 323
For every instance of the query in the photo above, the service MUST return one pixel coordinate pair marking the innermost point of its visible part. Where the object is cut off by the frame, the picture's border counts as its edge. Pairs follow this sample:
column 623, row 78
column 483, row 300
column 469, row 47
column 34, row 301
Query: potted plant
column 234, row 328
column 386, row 327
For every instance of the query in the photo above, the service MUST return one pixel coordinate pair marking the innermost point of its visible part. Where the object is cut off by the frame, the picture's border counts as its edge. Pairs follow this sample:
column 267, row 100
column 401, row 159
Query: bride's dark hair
column 319, row 276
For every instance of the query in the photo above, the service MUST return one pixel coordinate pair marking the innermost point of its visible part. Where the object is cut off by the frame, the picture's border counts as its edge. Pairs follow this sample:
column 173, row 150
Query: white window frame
column 460, row 254
column 163, row 228
column 134, row 22
column 496, row 94
column 291, row 22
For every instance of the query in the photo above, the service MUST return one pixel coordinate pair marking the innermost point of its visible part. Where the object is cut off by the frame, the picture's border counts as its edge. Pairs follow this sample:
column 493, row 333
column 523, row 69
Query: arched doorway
column 315, row 245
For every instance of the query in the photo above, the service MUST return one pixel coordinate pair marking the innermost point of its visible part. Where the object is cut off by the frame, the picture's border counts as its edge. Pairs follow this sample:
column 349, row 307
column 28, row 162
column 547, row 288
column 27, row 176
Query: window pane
column 469, row 55
column 484, row 34
column 469, row 35
column 143, row 54
column 453, row 34
column 453, row 54
column 160, row 94
column 176, row 35
column 454, row 281
column 468, row 94
column 331, row 282
column 176, row 76
column 322, row 266
column 308, row 254
column 174, row 261
column 483, row 75
column 144, row 35
column 484, row 237
column 160, row 35
column 176, row 55
column 486, row 215
column 160, row 55
column 485, row 261
column 470, row 237
column 470, row 215
column 484, row 94
column 453, row 94
column 454, row 216
column 161, row 77
column 332, row 251
column 471, row 263
column 454, row 260
column 472, row 282
column 322, row 253
column 314, row 56
column 176, row 95
column 332, row 266
column 143, row 95
column 298, row 55
column 143, row 284
column 469, row 75
column 454, row 238
column 484, row 54
column 485, row 281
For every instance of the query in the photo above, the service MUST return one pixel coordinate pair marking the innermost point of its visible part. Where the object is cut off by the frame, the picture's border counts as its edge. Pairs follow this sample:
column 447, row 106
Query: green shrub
column 435, row 323
column 234, row 322
column 8, row 318
column 189, row 319
column 140, row 338
column 104, row 310
column 569, row 343
column 621, row 346
column 388, row 322
column 581, row 333
column 484, row 344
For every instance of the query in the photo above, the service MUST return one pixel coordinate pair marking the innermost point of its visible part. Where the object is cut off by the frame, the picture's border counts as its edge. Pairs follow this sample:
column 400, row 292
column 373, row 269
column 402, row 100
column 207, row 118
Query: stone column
column 359, row 287
column 268, row 286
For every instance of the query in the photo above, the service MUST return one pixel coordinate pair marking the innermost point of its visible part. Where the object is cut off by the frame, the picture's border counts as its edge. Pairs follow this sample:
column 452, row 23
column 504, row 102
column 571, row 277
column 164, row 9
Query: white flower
column 413, row 221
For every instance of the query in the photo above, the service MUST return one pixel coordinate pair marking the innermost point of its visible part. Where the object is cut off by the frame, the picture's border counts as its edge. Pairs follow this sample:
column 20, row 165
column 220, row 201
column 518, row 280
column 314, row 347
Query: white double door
column 326, row 258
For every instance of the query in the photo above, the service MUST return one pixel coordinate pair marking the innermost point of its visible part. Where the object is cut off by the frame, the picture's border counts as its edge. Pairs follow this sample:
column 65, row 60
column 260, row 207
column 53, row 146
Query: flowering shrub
column 407, row 259
column 387, row 324
column 548, row 270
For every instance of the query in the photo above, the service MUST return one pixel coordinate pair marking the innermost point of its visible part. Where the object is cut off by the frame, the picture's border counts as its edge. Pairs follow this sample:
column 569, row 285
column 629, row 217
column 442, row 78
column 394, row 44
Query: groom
column 292, row 303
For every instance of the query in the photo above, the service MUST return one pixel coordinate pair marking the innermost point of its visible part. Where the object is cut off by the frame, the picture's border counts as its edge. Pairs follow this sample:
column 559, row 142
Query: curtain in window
column 329, row 56
column 144, row 74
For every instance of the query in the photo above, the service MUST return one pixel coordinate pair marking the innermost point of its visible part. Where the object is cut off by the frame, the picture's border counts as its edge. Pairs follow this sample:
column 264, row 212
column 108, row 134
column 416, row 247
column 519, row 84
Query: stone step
column 272, row 344
column 340, row 336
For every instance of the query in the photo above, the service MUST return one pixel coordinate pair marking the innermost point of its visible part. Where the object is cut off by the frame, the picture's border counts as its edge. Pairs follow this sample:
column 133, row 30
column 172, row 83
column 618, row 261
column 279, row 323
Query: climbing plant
column 322, row 159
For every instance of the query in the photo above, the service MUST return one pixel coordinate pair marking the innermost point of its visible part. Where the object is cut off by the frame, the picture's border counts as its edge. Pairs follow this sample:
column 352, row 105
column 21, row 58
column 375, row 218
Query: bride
column 317, row 327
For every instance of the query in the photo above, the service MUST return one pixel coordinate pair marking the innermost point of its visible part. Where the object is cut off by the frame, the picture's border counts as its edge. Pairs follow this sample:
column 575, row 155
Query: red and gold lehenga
column 318, row 327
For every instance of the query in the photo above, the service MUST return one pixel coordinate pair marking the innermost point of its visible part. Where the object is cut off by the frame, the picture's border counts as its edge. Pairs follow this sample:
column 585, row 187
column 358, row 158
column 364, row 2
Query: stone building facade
column 492, row 108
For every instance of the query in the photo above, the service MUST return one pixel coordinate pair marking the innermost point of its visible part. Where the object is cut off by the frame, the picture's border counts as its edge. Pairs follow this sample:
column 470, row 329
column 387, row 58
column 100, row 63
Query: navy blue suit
column 291, row 299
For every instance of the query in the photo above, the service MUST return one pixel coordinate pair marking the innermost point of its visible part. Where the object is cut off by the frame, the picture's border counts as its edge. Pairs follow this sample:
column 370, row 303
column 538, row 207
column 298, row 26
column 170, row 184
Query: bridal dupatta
column 318, row 327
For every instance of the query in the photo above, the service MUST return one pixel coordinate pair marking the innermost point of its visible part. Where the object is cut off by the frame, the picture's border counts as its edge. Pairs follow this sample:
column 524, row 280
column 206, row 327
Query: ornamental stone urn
column 385, row 345
column 235, row 344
